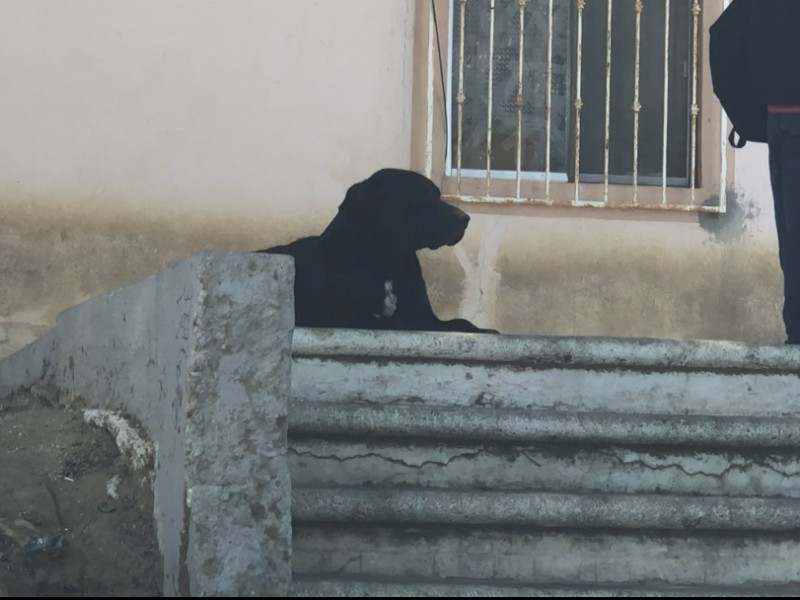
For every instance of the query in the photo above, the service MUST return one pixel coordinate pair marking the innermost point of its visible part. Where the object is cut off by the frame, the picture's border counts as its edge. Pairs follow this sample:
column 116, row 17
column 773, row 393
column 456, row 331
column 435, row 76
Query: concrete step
column 555, row 539
column 456, row 464
column 555, row 468
column 534, row 556
column 334, row 444
column 544, row 509
column 558, row 374
column 378, row 588
column 416, row 421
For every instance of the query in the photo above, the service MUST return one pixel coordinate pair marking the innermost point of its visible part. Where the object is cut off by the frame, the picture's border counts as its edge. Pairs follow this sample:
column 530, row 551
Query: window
column 576, row 102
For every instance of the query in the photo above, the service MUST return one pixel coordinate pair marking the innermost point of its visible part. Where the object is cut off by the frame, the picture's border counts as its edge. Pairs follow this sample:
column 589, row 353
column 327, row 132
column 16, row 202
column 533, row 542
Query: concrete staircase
column 474, row 465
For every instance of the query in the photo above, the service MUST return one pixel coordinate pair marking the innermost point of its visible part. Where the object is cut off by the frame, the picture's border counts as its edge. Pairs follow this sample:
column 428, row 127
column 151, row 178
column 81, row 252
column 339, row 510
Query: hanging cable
column 441, row 65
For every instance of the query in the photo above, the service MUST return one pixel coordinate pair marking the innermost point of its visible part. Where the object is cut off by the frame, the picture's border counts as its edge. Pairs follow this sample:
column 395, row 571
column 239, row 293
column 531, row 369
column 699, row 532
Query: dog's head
column 402, row 209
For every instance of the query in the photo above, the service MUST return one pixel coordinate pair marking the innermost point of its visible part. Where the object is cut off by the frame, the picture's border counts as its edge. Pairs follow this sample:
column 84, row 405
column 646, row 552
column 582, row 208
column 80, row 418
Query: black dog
column 363, row 271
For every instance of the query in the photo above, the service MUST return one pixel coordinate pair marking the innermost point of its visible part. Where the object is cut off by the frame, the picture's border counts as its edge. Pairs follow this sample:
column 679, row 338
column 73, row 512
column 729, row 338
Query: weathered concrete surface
column 558, row 466
column 581, row 390
column 579, row 488
column 489, row 424
column 570, row 374
column 488, row 448
column 29, row 368
column 200, row 354
column 466, row 588
column 566, row 352
column 541, row 556
column 568, row 467
column 544, row 509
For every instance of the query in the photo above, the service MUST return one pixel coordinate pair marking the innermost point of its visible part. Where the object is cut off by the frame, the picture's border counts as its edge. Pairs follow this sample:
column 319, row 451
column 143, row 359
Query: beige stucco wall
column 545, row 271
column 136, row 132
column 607, row 273
column 133, row 133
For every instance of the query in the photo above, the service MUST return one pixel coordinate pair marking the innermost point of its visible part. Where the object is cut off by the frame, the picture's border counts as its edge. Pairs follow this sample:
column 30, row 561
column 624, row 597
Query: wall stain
column 732, row 225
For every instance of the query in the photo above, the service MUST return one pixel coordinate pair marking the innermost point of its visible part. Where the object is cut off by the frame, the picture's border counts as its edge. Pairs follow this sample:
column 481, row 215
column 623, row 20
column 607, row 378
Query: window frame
column 714, row 161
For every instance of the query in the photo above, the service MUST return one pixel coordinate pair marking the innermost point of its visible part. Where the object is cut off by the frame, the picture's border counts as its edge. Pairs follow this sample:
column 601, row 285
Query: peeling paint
column 482, row 277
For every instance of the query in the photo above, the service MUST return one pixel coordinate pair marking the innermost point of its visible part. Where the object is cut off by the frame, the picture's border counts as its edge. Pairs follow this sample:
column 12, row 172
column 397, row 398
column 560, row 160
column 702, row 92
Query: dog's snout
column 458, row 215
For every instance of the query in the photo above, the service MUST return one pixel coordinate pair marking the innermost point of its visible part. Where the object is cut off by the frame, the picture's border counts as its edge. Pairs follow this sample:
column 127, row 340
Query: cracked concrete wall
column 200, row 355
column 590, row 468
column 544, row 461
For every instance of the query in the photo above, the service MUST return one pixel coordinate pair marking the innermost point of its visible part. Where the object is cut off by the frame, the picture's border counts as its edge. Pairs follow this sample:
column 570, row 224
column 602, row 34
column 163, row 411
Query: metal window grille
column 576, row 92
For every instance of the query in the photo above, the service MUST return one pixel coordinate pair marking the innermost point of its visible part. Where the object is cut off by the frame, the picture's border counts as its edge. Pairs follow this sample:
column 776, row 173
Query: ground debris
column 75, row 519
column 133, row 445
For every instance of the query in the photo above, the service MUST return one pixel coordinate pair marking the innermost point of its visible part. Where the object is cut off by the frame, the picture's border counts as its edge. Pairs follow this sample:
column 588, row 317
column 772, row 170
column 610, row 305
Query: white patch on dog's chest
column 389, row 300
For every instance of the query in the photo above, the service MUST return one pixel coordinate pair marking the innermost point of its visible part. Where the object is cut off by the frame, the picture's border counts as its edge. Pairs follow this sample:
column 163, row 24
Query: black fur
column 341, row 275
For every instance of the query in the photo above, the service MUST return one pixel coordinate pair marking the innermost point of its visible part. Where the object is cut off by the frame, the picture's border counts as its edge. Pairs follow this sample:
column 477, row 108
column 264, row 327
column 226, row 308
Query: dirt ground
column 62, row 532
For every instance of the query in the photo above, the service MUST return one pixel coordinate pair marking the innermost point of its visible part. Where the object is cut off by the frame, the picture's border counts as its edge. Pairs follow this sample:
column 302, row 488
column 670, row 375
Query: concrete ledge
column 565, row 352
column 505, row 556
column 548, row 510
column 200, row 355
column 524, row 426
column 569, row 375
column 315, row 588
column 31, row 368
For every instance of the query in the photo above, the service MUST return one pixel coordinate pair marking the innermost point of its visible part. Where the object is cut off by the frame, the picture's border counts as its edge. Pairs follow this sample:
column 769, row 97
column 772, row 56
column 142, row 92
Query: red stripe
column 782, row 108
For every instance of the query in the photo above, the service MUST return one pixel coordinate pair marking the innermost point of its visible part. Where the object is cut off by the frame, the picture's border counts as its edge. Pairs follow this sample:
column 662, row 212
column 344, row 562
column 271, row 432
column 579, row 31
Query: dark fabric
column 762, row 38
column 730, row 53
column 754, row 54
column 784, row 165
column 774, row 38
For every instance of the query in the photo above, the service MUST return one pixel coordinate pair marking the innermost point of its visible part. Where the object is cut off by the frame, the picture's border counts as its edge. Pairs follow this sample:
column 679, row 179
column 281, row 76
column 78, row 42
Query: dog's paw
column 488, row 331
column 466, row 327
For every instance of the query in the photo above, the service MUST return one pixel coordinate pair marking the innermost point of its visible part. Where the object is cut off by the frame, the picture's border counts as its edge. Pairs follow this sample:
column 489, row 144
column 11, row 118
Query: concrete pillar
column 200, row 354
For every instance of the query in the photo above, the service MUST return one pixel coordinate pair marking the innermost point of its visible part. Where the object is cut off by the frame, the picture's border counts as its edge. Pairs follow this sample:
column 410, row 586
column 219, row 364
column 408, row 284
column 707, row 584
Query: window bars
column 574, row 92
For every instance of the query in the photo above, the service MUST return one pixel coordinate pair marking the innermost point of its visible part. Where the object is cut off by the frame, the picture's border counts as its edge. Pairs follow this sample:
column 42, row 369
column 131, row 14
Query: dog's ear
column 356, row 201
column 365, row 207
column 352, row 218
